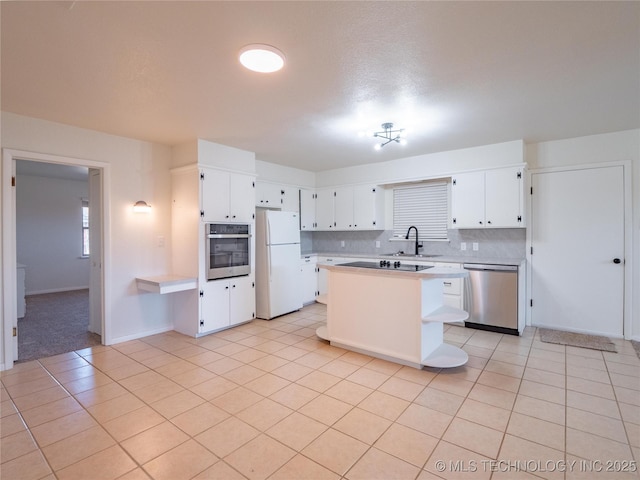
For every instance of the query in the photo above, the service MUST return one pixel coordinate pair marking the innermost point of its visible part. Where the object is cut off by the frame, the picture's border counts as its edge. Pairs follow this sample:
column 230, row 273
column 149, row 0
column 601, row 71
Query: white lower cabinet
column 228, row 302
column 453, row 287
column 309, row 270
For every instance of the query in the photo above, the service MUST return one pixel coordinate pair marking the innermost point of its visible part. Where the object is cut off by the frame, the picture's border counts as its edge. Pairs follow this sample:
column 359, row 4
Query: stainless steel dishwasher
column 492, row 297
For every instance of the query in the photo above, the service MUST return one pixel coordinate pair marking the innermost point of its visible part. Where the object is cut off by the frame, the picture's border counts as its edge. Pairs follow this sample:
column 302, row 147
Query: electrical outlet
column 342, row 243
column 475, row 246
column 463, row 245
column 377, row 243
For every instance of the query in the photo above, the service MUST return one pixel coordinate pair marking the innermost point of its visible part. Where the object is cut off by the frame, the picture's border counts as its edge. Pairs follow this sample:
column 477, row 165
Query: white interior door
column 95, row 251
column 577, row 233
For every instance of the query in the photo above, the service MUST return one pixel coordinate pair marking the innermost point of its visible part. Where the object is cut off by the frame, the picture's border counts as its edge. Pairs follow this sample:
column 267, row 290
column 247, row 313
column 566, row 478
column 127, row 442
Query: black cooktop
column 387, row 265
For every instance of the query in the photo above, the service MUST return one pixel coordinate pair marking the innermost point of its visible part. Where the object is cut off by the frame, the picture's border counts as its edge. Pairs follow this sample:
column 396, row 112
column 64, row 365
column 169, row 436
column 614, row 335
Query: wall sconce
column 141, row 207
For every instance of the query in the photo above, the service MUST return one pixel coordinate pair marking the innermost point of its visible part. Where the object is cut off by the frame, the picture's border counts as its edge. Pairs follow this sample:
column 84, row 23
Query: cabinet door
column 268, row 195
column 309, row 281
column 343, row 208
column 307, row 210
column 241, row 197
column 290, row 199
column 214, row 306
column 368, row 207
column 214, row 194
column 324, row 209
column 242, row 301
column 503, row 197
column 467, row 200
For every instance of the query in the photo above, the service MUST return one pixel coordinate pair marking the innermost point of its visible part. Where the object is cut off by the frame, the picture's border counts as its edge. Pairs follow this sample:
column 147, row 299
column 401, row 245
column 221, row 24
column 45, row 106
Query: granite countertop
column 437, row 258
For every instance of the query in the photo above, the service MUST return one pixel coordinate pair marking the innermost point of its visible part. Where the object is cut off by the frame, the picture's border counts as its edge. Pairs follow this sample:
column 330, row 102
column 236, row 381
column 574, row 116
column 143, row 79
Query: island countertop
column 433, row 272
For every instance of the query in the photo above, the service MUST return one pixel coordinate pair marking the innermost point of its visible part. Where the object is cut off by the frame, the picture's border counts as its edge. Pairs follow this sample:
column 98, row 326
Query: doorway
column 53, row 249
column 95, row 175
column 577, row 255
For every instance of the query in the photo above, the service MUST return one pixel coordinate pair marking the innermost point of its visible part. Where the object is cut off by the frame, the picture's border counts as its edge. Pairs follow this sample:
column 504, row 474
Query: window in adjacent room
column 85, row 227
column 425, row 205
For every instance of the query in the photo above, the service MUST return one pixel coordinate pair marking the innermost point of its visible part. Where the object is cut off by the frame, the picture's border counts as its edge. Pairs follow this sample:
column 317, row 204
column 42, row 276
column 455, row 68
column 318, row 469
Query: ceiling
column 457, row 74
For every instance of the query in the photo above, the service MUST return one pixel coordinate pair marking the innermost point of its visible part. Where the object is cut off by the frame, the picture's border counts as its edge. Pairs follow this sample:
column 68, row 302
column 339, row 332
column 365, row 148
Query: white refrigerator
column 278, row 274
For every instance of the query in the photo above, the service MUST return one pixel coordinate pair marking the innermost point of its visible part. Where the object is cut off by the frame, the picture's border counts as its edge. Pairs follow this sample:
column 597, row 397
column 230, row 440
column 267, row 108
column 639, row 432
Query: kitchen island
column 392, row 313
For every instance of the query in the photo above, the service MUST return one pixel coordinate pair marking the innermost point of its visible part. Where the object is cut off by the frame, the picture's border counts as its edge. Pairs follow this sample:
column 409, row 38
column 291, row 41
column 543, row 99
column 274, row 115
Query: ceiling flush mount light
column 388, row 135
column 141, row 207
column 261, row 58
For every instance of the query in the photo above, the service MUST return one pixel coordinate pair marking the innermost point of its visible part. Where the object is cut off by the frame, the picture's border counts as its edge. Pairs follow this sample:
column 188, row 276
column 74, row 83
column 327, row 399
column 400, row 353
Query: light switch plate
column 475, row 246
column 463, row 245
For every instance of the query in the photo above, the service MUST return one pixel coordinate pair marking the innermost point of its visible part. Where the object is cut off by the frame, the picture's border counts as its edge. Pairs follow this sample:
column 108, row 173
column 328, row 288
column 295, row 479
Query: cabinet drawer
column 452, row 286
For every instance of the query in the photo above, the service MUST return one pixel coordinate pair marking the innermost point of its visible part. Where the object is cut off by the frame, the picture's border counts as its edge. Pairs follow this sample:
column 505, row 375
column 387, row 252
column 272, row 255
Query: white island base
column 393, row 315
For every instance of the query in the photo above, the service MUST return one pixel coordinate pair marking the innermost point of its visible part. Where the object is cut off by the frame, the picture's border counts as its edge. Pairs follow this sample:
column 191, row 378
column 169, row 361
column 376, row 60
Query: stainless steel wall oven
column 228, row 250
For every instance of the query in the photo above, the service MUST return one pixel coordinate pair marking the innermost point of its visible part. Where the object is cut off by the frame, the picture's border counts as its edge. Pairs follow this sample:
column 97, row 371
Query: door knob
column 616, row 260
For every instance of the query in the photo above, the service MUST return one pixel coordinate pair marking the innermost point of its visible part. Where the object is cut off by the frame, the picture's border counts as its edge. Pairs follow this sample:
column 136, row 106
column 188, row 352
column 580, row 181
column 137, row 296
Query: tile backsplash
column 492, row 243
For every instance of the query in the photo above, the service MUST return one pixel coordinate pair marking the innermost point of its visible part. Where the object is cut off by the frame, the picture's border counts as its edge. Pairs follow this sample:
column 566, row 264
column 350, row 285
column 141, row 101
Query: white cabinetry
column 359, row 207
column 453, row 287
column 325, row 219
column 488, row 199
column 307, row 209
column 309, row 269
column 224, row 303
column 271, row 195
column 227, row 196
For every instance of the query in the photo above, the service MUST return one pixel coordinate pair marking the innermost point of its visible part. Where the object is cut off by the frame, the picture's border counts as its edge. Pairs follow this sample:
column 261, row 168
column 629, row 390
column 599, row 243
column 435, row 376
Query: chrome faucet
column 407, row 237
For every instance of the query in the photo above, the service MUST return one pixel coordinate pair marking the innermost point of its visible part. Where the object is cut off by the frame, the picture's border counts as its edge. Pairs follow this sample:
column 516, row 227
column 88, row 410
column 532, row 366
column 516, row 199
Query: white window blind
column 425, row 206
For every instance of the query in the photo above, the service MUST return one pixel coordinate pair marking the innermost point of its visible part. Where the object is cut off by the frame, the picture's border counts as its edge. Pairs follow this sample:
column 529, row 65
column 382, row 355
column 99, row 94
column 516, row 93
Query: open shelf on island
column 446, row 356
column 446, row 314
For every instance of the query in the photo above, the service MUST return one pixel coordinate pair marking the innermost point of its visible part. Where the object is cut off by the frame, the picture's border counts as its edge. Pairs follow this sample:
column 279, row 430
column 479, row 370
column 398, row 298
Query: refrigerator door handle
column 269, row 262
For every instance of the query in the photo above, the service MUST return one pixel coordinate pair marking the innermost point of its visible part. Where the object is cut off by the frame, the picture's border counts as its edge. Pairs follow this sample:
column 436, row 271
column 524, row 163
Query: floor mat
column 593, row 342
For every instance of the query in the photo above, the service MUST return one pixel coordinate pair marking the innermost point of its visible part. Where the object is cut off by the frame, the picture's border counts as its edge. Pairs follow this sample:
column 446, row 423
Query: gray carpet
column 55, row 323
column 593, row 342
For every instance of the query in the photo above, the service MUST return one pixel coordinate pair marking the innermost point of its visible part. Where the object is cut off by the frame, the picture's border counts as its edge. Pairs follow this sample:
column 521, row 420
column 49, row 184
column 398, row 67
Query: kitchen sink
column 409, row 255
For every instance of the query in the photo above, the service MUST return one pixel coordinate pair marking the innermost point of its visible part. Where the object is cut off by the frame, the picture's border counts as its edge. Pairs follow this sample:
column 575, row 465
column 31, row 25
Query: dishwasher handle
column 478, row 266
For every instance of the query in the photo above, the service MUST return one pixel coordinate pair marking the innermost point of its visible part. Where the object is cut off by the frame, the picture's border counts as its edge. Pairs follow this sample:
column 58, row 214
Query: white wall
column 138, row 171
column 605, row 148
column 431, row 165
column 271, row 172
column 48, row 233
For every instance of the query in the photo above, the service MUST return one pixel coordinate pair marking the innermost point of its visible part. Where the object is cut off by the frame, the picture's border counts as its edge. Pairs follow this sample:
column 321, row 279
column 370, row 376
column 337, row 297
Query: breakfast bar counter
column 395, row 313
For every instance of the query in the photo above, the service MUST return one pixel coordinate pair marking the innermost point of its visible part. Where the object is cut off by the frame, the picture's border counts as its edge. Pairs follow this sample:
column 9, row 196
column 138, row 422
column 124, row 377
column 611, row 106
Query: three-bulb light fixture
column 388, row 134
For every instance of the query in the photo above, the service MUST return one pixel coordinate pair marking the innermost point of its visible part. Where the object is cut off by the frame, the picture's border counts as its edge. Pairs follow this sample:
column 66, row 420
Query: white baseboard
column 56, row 290
column 137, row 336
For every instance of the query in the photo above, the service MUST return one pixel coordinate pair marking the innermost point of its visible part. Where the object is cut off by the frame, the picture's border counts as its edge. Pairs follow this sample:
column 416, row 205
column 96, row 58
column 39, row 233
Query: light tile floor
column 270, row 400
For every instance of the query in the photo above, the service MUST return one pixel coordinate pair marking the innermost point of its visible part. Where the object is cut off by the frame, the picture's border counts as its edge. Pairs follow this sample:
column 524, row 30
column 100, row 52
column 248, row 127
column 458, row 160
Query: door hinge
column 519, row 174
column 453, row 182
column 531, row 302
column 13, row 181
column 202, row 176
column 202, row 293
column 15, row 331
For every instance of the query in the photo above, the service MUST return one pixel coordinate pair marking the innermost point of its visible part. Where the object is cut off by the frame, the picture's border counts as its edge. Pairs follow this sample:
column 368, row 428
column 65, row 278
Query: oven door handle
column 227, row 235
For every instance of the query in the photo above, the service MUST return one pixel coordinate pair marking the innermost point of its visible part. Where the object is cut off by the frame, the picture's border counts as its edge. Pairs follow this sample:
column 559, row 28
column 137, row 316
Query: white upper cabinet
column 307, row 210
column 273, row 195
column 489, row 199
column 325, row 219
column 268, row 195
column 368, row 207
column 350, row 208
column 343, row 208
column 227, row 196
